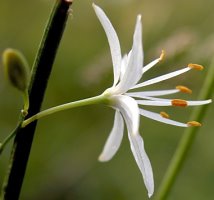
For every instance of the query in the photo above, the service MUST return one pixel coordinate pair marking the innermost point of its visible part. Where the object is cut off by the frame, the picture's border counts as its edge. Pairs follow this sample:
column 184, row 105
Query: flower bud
column 16, row 69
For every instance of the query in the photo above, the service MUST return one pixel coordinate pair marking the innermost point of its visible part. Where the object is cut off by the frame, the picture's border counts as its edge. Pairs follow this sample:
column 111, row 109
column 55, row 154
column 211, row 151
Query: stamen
column 179, row 102
column 162, row 55
column 164, row 115
column 184, row 89
column 193, row 123
column 195, row 66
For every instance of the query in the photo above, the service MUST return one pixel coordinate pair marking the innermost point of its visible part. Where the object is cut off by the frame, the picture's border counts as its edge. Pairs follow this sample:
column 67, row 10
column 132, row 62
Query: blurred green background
column 63, row 162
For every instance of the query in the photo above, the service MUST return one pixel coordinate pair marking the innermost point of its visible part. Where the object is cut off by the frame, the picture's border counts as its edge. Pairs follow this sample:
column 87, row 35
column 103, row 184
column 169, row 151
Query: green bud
column 16, row 69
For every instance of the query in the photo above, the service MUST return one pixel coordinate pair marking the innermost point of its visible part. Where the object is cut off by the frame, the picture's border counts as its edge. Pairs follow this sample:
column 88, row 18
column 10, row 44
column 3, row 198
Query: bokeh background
column 63, row 162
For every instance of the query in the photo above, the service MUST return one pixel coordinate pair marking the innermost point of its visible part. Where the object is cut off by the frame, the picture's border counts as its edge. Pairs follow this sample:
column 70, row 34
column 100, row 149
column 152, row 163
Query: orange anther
column 179, row 102
column 184, row 89
column 164, row 115
column 162, row 55
column 193, row 123
column 196, row 66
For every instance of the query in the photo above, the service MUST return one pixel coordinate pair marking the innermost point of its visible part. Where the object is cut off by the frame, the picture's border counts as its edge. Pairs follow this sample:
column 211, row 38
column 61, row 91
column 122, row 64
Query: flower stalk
column 84, row 102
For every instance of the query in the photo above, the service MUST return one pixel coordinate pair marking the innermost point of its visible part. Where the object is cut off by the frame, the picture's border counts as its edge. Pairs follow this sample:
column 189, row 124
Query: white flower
column 127, row 72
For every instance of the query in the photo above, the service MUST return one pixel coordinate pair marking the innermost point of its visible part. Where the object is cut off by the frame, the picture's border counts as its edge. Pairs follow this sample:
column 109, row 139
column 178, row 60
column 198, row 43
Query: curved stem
column 187, row 139
column 26, row 103
column 84, row 102
column 9, row 137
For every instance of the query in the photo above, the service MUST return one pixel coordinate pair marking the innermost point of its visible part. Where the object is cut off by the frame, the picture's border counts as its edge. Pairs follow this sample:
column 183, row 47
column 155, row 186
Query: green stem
column 40, row 74
column 187, row 139
column 9, row 137
column 26, row 103
column 84, row 102
column 24, row 112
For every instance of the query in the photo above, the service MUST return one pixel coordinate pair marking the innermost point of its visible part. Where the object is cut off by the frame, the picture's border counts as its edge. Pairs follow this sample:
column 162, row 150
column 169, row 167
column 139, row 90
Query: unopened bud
column 16, row 69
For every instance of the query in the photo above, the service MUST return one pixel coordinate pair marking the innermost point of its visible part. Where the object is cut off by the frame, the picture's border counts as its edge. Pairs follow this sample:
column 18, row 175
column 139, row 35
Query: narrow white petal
column 154, row 103
column 133, row 71
column 124, row 64
column 112, row 39
column 152, row 93
column 142, row 160
column 114, row 140
column 159, row 118
column 130, row 111
column 162, row 78
column 150, row 65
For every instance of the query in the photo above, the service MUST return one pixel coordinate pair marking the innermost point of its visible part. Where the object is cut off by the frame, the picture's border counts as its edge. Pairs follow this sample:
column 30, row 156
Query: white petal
column 114, row 140
column 152, row 93
column 112, row 39
column 162, row 78
column 135, row 62
column 159, row 118
column 124, row 64
column 130, row 111
column 142, row 160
